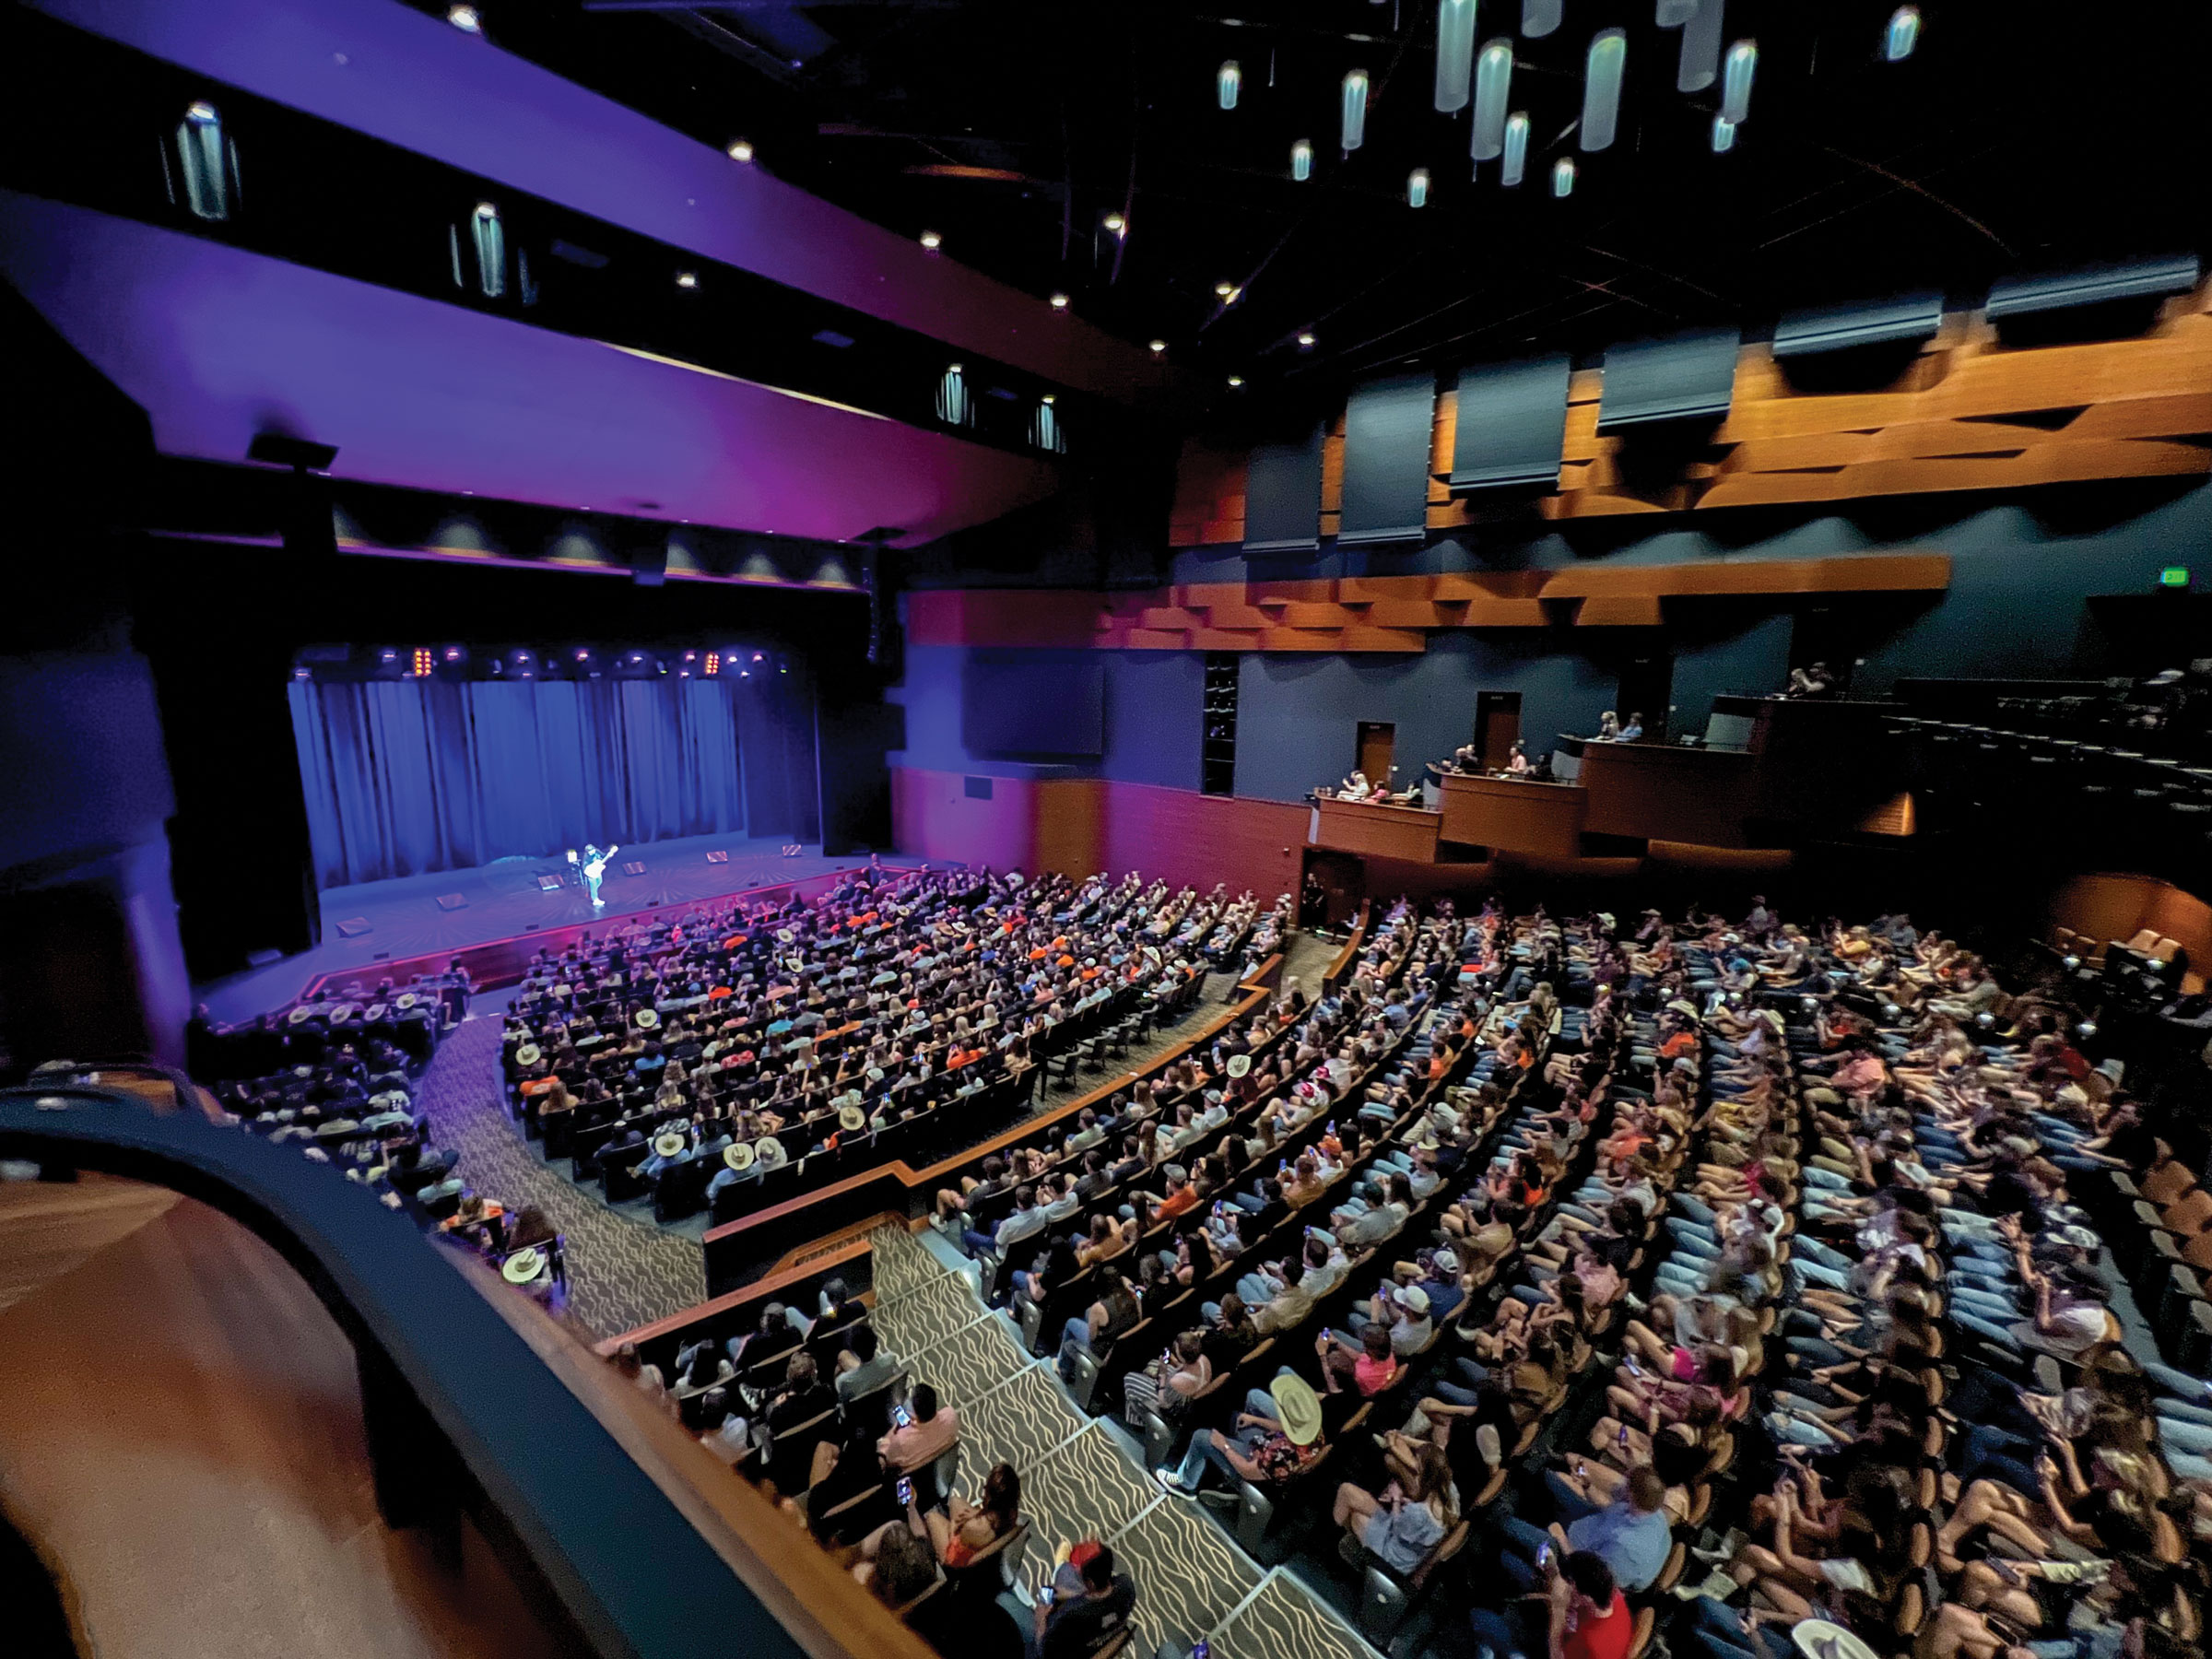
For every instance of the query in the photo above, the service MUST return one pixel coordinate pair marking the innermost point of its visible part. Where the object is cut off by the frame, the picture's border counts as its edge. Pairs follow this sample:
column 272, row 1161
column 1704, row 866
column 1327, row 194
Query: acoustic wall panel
column 1020, row 704
column 1512, row 425
column 1282, row 496
column 1683, row 377
column 1844, row 327
column 1386, row 433
column 2144, row 279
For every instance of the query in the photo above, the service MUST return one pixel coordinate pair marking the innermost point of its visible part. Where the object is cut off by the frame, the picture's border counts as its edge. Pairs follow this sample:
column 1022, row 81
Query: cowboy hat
column 528, row 1055
column 523, row 1265
column 405, row 999
column 298, row 1014
column 377, row 1011
column 668, row 1144
column 648, row 1019
column 1239, row 1065
column 851, row 1118
column 738, row 1155
column 1298, row 1409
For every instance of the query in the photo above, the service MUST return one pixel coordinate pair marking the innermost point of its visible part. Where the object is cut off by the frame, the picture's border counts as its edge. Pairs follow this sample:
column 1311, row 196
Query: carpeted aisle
column 622, row 1272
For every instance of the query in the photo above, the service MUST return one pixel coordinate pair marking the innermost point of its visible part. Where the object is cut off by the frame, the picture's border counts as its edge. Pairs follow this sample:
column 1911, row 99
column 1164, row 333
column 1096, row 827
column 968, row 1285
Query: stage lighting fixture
column 1417, row 188
column 713, row 664
column 1228, row 81
column 932, row 241
column 1902, row 34
column 1301, row 160
column 1236, row 379
column 1603, row 70
column 464, row 18
column 741, row 149
column 521, row 663
column 423, row 663
column 1352, row 122
column 687, row 279
column 1493, row 86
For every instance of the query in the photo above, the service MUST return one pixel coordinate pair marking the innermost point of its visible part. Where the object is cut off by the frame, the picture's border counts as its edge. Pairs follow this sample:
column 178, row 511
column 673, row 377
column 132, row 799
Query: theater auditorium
column 873, row 829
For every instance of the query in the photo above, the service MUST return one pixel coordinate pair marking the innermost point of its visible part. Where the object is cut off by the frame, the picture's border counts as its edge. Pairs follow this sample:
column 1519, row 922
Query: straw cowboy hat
column 648, row 1019
column 1239, row 1065
column 738, row 1155
column 851, row 1118
column 523, row 1265
column 1298, row 1408
column 669, row 1144
column 528, row 1055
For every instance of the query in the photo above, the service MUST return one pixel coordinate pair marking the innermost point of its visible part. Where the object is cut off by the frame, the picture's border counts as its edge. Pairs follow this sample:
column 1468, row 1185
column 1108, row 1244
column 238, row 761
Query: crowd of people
column 687, row 1061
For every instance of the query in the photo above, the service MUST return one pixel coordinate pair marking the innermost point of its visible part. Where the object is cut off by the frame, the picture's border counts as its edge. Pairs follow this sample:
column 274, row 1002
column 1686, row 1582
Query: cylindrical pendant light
column 1516, row 149
column 1539, row 18
column 1902, row 34
column 1700, row 48
column 1736, row 81
column 1228, row 80
column 1301, row 160
column 1355, row 109
column 1417, row 188
column 1724, row 134
column 1601, row 88
column 1562, row 176
column 1673, row 14
column 1455, row 53
column 1493, row 86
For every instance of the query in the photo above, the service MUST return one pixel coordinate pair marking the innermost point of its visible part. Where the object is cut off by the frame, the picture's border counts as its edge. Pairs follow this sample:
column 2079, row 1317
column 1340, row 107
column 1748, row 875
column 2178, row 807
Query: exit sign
column 2174, row 576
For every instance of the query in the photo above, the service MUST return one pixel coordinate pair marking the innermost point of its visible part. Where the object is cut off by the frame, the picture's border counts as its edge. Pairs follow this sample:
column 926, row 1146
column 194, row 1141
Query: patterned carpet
column 622, row 1272
column 1078, row 1479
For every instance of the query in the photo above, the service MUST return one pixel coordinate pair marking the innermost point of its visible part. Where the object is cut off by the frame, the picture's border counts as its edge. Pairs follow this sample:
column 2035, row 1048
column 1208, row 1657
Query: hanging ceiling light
column 1236, row 379
column 1700, row 48
column 1301, row 160
column 1735, row 80
column 1116, row 225
column 1158, row 347
column 1724, row 134
column 1305, row 341
column 1902, row 34
column 1228, row 81
column 1673, row 14
column 1417, row 188
column 1493, row 86
column 1224, row 290
column 932, row 241
column 1562, row 176
column 1601, row 88
column 1455, row 53
column 1354, row 123
column 741, row 149
column 1058, row 302
column 1516, row 149
column 464, row 18
column 1539, row 18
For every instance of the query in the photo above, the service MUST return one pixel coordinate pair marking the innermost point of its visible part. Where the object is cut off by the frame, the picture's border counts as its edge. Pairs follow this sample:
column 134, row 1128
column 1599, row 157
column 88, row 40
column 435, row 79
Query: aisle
column 622, row 1272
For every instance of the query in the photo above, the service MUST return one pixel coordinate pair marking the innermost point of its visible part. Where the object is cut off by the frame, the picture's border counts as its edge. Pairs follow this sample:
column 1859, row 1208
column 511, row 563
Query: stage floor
column 503, row 900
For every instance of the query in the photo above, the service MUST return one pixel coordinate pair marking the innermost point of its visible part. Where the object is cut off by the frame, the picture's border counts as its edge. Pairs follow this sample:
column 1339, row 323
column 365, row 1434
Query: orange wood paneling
column 1401, row 832
column 1508, row 814
column 1209, row 496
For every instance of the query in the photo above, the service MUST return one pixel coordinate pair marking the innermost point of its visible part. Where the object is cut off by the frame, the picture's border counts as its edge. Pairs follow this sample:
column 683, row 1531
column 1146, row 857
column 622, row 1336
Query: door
column 1645, row 681
column 1378, row 741
column 1497, row 727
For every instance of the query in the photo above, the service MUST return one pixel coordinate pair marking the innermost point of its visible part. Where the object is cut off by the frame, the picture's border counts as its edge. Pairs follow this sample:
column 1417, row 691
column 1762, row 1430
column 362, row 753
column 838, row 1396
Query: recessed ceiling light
column 741, row 149
column 687, row 279
column 1305, row 342
column 1236, row 379
column 464, row 18
column 1048, row 398
column 931, row 240
column 1117, row 224
column 1159, row 346
column 952, row 369
column 1059, row 302
column 1222, row 290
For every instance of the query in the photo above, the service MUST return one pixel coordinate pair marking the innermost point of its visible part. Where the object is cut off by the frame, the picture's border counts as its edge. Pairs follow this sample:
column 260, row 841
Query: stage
column 505, row 913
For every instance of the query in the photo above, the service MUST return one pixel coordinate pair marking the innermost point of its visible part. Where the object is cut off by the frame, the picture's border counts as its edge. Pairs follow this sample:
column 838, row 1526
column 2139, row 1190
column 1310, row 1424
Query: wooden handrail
column 811, row 1259
column 1333, row 976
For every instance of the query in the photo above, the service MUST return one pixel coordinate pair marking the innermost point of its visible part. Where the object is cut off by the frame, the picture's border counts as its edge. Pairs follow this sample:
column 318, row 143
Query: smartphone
column 1204, row 1650
column 1543, row 1556
column 906, row 1491
column 902, row 1418
column 1624, row 1437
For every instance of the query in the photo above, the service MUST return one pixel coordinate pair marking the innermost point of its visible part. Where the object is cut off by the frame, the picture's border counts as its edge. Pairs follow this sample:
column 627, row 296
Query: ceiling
column 2018, row 135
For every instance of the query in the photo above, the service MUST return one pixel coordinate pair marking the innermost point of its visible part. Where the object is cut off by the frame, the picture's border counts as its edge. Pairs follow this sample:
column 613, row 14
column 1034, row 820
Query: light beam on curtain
column 404, row 778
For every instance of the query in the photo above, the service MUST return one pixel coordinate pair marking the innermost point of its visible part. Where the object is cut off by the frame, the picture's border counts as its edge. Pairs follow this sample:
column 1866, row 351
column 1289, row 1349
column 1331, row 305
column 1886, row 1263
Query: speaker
column 885, row 641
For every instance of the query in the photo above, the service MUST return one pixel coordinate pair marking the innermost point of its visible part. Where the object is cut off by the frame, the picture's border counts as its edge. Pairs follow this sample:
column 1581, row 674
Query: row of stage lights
column 522, row 663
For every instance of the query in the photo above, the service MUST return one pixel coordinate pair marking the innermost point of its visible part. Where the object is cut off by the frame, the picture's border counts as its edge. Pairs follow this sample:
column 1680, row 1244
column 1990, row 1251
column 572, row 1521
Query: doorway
column 1646, row 682
column 1497, row 727
column 1378, row 743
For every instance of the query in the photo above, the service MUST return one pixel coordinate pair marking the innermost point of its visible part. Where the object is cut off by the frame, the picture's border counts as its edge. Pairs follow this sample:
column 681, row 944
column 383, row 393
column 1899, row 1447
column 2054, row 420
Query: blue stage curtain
column 407, row 777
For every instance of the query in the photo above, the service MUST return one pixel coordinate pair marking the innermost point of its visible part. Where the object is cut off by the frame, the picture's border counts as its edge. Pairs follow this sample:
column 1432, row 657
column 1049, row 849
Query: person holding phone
column 1087, row 1604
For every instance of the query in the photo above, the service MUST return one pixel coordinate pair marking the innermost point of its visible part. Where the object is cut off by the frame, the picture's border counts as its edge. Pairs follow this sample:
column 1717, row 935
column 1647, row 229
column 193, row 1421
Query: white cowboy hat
column 298, row 1014
column 377, row 1011
column 648, row 1019
column 528, row 1055
column 738, row 1155
column 669, row 1144
column 1239, row 1065
column 560, row 990
column 851, row 1118
column 405, row 999
column 523, row 1265
column 761, row 1147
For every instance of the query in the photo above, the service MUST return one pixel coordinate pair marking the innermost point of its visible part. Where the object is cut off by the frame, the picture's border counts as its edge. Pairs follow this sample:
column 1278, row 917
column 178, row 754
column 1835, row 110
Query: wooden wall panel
column 1209, row 496
column 2137, row 408
column 1183, row 836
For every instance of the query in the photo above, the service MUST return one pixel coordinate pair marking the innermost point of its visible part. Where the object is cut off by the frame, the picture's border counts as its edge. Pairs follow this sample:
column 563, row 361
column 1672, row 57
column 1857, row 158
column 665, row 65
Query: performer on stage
column 592, row 866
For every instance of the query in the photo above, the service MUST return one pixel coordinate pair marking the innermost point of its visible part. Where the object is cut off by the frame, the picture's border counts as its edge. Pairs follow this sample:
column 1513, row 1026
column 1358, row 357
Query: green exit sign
column 2174, row 576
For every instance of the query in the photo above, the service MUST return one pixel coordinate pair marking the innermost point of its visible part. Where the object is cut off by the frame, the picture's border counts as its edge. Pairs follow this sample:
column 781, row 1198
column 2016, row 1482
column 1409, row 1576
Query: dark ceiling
column 2018, row 135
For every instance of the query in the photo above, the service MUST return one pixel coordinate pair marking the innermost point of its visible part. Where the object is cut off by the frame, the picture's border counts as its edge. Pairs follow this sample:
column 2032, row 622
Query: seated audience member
column 862, row 1366
column 1086, row 1606
column 934, row 1430
column 1583, row 1616
column 1406, row 1521
column 1272, row 1441
column 959, row 1531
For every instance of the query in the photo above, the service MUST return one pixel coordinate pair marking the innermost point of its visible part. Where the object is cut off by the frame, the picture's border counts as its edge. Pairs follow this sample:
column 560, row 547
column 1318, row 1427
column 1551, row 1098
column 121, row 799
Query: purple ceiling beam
column 398, row 74
column 217, row 344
